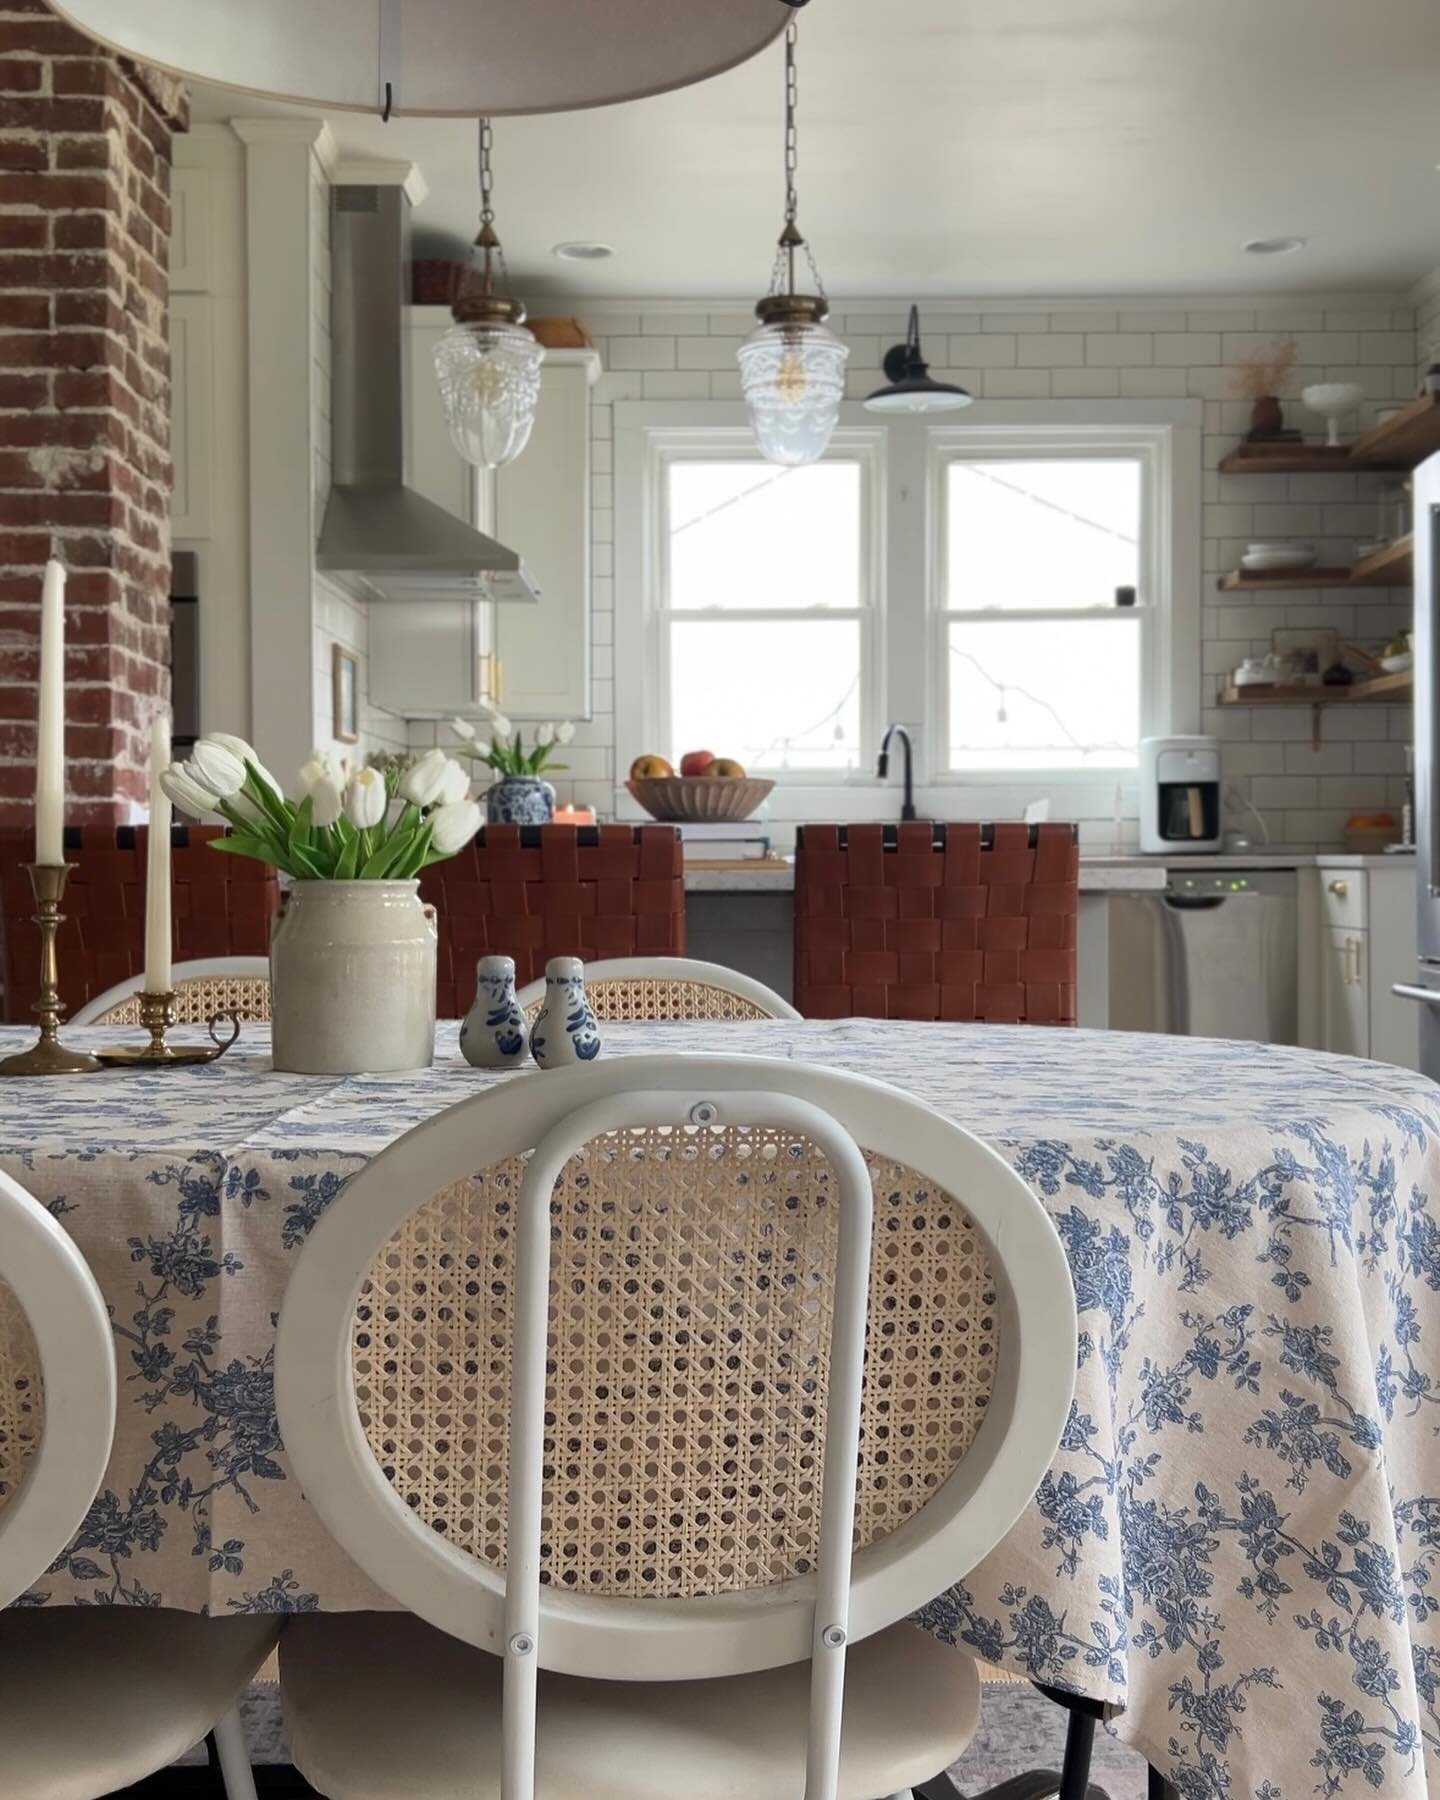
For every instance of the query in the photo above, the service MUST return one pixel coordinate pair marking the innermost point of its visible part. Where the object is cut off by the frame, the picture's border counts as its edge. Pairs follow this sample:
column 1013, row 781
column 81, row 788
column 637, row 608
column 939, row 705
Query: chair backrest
column 692, row 1293
column 57, row 1389
column 210, row 985
column 671, row 988
column 537, row 891
column 923, row 921
column 222, row 907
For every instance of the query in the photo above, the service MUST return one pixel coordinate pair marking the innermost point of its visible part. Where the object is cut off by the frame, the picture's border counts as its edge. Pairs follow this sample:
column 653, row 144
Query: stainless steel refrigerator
column 1425, row 990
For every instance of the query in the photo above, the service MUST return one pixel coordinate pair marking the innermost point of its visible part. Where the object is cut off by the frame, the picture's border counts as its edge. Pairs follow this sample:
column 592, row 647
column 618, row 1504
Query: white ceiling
column 984, row 147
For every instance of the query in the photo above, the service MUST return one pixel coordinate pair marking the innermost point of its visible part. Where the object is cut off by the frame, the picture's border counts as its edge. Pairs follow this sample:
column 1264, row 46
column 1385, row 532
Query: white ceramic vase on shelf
column 494, row 1034
column 352, row 975
column 564, row 1032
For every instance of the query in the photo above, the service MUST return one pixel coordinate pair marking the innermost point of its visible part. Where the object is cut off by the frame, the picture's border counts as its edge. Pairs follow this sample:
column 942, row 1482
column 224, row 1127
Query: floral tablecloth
column 1240, row 1538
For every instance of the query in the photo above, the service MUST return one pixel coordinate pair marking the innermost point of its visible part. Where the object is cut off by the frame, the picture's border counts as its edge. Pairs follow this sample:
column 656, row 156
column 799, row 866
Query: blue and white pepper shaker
column 494, row 1034
column 564, row 1032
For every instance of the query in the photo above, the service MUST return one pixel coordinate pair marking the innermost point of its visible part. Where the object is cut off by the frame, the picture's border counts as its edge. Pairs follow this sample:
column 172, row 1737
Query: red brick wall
column 84, row 400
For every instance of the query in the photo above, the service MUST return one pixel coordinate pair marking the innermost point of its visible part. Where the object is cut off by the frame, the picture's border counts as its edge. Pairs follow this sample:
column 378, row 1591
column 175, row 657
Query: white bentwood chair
column 203, row 988
column 652, row 1536
column 669, row 988
column 92, row 1699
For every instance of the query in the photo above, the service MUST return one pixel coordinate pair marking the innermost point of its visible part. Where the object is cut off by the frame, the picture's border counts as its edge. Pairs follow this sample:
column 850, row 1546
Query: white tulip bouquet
column 347, row 826
column 506, row 752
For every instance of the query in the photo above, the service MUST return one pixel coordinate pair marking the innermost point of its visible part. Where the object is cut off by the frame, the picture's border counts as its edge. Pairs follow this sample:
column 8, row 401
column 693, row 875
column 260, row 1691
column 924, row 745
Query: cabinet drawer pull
column 1339, row 889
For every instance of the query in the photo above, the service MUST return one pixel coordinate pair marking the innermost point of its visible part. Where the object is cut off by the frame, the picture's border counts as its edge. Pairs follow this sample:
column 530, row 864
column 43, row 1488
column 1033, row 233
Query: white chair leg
column 234, row 1756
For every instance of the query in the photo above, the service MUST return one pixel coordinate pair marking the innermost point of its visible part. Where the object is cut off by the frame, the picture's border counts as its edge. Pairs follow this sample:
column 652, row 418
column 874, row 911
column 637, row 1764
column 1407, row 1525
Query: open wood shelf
column 1400, row 442
column 1378, row 690
column 1394, row 566
column 1387, row 689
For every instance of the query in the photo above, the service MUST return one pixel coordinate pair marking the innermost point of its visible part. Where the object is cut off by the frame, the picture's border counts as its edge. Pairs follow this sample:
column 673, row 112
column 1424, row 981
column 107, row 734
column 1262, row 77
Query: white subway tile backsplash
column 640, row 353
column 1020, row 322
column 980, row 350
column 1085, row 384
column 1181, row 349
column 1080, row 320
column 1119, row 349
column 1051, row 350
column 1017, row 384
column 672, row 384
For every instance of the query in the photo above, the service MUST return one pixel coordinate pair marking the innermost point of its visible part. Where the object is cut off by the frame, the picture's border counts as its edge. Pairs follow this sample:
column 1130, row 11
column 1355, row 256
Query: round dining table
column 1238, row 1542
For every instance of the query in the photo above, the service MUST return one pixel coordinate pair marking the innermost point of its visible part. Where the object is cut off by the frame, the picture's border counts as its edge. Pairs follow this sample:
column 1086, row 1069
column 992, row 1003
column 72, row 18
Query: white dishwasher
column 1212, row 955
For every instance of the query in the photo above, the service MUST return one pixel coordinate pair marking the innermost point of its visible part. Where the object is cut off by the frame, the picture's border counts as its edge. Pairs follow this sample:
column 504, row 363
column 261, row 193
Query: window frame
column 905, row 551
column 1155, row 598
column 665, row 446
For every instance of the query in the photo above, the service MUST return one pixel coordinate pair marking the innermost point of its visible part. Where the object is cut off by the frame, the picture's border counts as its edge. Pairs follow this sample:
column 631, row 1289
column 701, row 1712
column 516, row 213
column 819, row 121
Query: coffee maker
column 1179, row 795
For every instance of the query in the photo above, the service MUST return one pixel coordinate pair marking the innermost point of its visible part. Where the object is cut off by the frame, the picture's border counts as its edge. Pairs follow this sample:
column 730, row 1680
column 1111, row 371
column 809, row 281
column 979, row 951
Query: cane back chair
column 237, row 985
column 674, row 1501
column 669, row 988
column 95, row 1699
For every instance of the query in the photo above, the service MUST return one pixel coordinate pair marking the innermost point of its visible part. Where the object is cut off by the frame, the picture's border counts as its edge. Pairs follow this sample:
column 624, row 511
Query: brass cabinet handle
column 1339, row 889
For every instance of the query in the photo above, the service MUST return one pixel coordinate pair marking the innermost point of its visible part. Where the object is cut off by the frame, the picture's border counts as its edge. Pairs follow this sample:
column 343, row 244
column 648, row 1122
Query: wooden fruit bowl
column 693, row 799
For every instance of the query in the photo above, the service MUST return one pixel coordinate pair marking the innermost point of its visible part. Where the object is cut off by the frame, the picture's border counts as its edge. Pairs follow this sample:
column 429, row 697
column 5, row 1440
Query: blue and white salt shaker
column 564, row 1032
column 494, row 1034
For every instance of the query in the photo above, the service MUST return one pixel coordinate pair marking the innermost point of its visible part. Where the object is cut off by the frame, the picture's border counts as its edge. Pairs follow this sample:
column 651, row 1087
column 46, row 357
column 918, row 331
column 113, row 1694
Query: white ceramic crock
column 352, row 974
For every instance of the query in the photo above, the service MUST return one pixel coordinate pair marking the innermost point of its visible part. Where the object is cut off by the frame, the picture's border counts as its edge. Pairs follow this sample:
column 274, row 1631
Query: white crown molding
column 1329, row 300
column 312, row 134
column 376, row 171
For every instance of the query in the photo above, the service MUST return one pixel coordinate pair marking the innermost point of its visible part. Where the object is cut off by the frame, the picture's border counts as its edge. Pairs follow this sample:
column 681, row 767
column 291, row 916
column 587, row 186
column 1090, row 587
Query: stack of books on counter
column 721, row 841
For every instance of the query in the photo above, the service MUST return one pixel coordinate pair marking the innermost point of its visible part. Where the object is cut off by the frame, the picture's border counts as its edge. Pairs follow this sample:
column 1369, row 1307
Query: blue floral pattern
column 1239, row 1539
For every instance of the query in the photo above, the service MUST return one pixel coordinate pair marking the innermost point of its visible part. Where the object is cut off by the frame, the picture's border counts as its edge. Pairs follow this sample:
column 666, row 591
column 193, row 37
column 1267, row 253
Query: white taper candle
column 157, row 867
column 50, row 725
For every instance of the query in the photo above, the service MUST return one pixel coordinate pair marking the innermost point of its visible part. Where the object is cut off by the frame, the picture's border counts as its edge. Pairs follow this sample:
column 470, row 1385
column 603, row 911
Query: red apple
column 696, row 762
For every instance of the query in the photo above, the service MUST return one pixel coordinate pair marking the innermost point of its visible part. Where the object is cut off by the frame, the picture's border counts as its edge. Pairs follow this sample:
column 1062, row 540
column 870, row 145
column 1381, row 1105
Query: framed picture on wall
column 345, row 684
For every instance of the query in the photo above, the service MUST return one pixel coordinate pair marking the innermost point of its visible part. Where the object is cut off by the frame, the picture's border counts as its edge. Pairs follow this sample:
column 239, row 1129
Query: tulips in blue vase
column 521, row 796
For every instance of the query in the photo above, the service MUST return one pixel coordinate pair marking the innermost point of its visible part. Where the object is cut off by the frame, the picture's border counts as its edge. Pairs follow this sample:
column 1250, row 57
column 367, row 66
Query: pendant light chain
column 782, row 275
column 488, row 241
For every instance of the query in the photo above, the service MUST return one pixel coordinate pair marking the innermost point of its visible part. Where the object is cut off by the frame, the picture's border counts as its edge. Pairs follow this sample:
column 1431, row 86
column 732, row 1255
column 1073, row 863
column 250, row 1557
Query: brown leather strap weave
column 921, row 921
column 533, row 892
column 221, row 907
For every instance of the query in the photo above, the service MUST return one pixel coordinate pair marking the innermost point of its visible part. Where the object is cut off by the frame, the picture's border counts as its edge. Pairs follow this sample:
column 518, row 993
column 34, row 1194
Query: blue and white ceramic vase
column 494, row 1034
column 520, row 800
column 564, row 1032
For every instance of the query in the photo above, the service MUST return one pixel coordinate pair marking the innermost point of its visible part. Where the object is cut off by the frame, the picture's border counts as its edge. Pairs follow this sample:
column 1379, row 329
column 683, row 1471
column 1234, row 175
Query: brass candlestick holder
column 48, row 1056
column 157, row 1015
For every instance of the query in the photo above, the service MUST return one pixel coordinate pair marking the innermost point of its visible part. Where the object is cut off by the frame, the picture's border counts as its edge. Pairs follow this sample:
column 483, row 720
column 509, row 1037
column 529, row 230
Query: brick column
column 85, row 142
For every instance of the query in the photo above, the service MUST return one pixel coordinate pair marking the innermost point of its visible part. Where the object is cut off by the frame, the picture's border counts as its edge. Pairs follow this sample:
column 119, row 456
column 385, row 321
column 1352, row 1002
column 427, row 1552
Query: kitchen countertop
column 1099, row 874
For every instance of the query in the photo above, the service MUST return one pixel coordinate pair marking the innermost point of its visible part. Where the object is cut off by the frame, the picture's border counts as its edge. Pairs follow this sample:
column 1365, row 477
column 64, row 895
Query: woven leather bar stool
column 222, row 908
column 537, row 891
column 922, row 921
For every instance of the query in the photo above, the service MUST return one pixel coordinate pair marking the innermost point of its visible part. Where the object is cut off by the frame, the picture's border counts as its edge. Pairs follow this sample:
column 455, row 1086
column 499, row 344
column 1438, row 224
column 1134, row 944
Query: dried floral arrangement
column 1263, row 373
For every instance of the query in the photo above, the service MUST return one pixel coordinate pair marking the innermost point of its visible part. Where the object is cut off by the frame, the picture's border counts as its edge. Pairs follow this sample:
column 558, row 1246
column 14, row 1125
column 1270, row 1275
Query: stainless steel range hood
column 380, row 538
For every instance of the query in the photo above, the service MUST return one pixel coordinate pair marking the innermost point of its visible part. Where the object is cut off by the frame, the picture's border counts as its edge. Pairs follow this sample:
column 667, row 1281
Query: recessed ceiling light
column 1274, row 246
column 583, row 250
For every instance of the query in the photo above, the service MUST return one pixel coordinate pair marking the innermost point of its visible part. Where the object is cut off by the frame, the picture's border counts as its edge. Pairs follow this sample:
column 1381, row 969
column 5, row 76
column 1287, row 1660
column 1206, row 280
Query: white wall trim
column 375, row 171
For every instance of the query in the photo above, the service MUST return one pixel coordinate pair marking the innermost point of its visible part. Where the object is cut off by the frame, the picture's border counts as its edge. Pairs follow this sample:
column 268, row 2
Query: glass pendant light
column 792, row 370
column 487, row 363
column 909, row 387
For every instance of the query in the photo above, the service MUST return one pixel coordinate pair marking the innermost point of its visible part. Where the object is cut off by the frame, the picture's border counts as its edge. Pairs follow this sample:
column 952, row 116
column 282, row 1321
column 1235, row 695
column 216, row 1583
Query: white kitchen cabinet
column 1366, row 943
column 542, row 509
column 1344, row 992
column 429, row 659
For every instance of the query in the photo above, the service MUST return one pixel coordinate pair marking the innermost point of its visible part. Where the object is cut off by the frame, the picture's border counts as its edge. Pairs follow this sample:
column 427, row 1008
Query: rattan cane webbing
column 200, row 998
column 691, row 1294
column 662, row 997
column 22, row 1403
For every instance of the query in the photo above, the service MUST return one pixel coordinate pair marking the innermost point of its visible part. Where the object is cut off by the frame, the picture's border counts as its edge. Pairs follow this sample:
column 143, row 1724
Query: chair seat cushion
column 381, row 1706
column 96, row 1698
